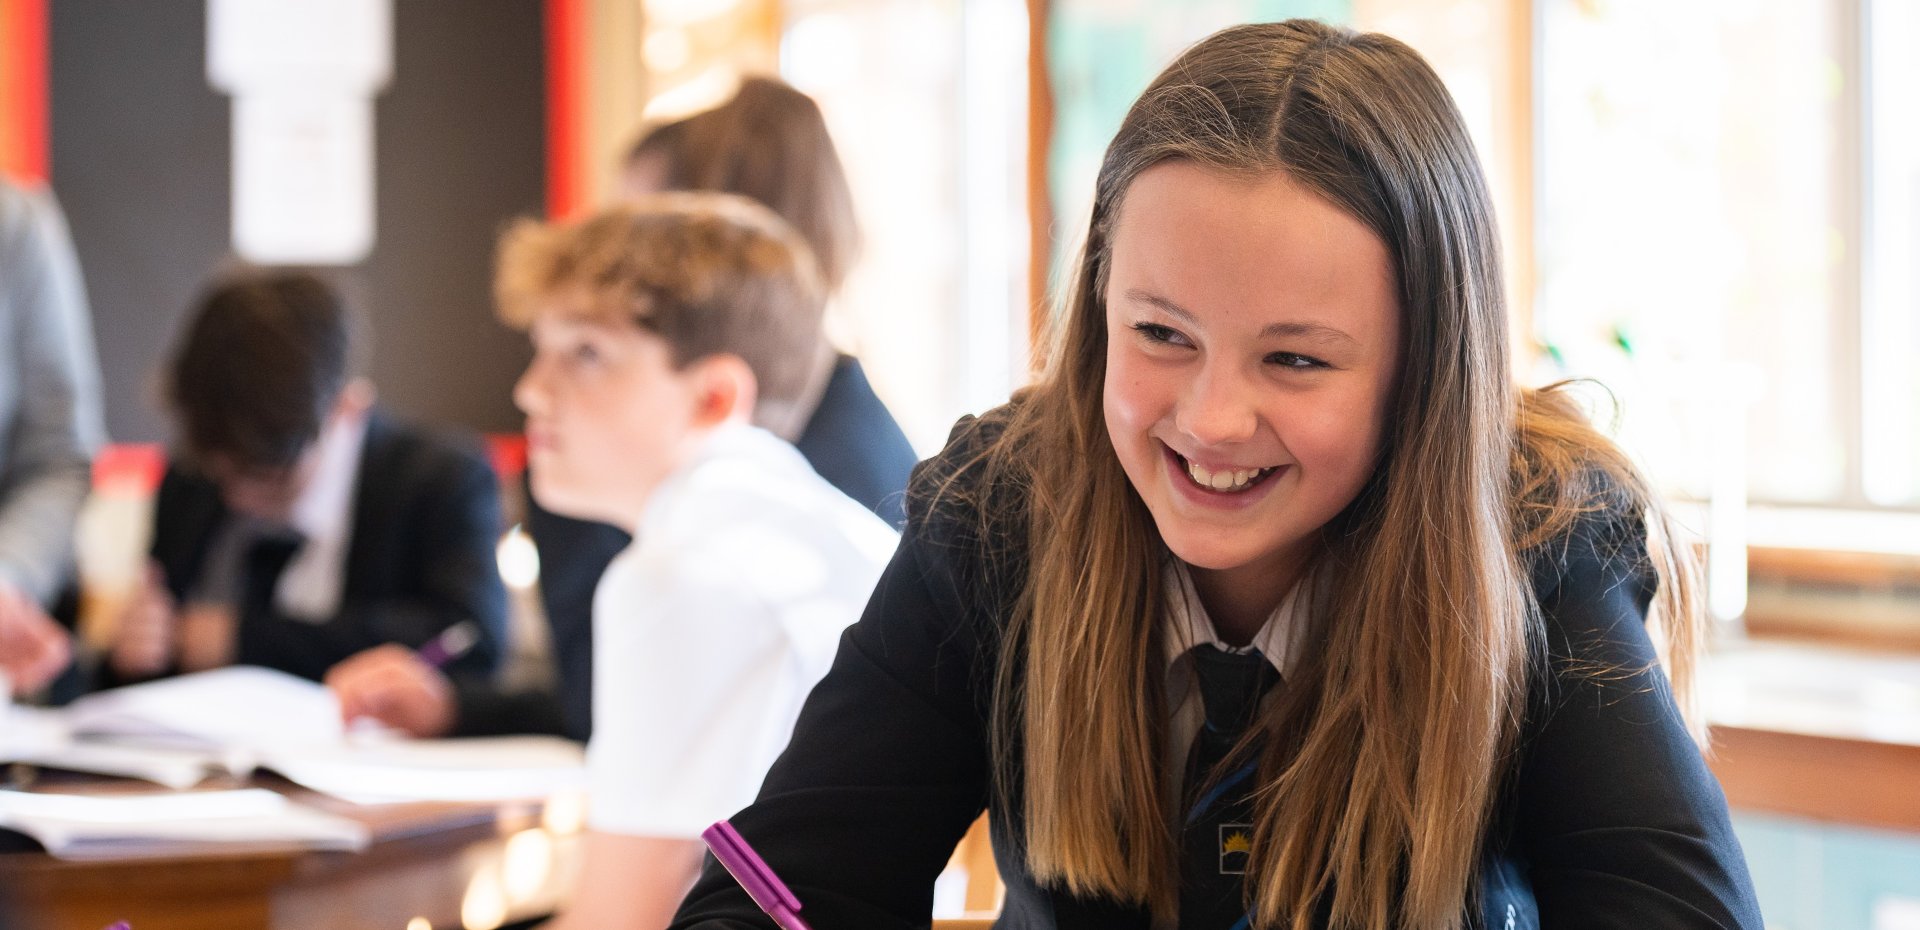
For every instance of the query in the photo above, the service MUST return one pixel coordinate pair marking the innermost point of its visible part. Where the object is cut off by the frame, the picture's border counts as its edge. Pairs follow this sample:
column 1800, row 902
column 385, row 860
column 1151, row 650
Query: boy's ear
column 725, row 391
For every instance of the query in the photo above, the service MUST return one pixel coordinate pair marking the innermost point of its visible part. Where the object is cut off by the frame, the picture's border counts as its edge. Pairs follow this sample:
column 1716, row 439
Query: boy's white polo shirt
column 710, row 629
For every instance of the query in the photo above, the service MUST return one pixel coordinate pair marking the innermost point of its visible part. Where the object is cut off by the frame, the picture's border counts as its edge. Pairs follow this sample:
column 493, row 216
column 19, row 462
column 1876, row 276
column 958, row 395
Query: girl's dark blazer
column 426, row 517
column 1611, row 819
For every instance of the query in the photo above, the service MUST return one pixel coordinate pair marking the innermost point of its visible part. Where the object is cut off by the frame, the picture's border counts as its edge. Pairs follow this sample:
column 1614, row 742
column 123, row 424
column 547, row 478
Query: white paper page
column 505, row 768
column 43, row 736
column 125, row 826
column 168, row 766
column 240, row 709
column 26, row 731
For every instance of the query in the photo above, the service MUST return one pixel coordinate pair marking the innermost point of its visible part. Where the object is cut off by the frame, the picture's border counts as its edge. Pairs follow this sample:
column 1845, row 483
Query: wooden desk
column 450, row 865
column 1818, row 732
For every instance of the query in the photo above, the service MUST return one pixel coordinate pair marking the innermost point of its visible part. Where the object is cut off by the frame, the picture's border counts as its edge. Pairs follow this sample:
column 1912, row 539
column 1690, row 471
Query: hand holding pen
column 404, row 688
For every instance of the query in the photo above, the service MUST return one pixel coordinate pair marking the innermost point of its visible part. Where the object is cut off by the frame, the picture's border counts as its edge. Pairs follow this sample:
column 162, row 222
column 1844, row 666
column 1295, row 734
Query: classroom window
column 926, row 100
column 1728, row 204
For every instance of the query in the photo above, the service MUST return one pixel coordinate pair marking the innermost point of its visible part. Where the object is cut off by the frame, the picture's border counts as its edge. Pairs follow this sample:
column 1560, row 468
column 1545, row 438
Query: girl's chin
column 1208, row 555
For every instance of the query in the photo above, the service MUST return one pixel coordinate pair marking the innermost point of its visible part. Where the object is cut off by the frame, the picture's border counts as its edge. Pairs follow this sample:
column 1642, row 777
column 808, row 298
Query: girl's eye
column 1293, row 360
column 585, row 352
column 1154, row 332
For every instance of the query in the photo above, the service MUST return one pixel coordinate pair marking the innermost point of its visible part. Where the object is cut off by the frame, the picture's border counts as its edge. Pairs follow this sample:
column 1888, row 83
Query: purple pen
column 765, row 888
column 452, row 643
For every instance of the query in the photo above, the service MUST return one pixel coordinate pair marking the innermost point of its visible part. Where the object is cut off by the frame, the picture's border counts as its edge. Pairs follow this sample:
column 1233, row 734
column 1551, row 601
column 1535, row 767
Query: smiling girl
column 1275, row 603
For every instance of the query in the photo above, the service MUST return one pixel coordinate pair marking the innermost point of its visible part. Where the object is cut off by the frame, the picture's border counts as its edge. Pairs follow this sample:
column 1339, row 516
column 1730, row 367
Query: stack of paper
column 174, row 768
column 30, row 730
column 177, row 731
column 73, row 826
column 231, row 721
column 507, row 768
column 242, row 708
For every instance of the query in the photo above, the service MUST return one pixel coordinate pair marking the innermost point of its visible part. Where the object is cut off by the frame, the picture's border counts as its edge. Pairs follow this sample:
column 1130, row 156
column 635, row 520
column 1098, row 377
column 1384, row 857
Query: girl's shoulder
column 972, row 492
column 967, row 514
column 1595, row 580
column 1591, row 522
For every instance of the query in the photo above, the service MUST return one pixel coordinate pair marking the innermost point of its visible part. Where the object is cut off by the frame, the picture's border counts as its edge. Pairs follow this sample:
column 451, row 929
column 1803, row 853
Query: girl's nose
column 1218, row 409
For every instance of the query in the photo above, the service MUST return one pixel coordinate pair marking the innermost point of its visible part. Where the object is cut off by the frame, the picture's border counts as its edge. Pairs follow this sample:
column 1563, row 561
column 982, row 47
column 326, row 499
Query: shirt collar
column 1187, row 624
column 727, row 441
column 323, row 510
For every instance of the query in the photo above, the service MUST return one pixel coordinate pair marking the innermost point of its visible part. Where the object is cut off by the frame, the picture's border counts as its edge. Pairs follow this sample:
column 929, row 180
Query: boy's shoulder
column 395, row 444
column 747, row 534
column 752, row 492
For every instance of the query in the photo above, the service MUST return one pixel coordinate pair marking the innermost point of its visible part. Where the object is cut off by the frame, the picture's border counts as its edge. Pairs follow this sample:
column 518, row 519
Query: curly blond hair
column 709, row 273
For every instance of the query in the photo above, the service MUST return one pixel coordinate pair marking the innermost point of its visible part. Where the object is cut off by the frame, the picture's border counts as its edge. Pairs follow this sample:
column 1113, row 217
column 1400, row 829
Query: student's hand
column 392, row 685
column 146, row 635
column 206, row 637
column 33, row 648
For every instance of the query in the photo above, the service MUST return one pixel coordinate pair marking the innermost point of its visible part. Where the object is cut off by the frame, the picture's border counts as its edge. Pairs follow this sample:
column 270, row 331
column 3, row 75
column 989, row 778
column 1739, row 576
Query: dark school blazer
column 851, row 440
column 1610, row 820
column 426, row 517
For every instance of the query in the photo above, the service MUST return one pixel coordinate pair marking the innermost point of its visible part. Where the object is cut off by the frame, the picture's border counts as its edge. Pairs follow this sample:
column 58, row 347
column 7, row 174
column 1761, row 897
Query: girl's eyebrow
column 1318, row 332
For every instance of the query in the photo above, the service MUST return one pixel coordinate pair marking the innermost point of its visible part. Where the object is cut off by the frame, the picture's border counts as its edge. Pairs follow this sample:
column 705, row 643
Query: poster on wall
column 303, row 75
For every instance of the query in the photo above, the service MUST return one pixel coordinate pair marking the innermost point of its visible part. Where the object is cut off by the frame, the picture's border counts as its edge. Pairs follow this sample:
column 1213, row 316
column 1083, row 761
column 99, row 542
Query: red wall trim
column 23, row 79
column 566, row 22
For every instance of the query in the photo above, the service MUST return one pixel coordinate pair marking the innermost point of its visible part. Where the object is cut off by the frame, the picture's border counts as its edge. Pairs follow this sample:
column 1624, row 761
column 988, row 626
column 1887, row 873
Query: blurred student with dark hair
column 297, row 524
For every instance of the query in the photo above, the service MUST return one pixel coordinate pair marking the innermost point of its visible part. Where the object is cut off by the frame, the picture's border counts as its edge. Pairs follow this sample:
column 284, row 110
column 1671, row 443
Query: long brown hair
column 1384, row 759
column 769, row 142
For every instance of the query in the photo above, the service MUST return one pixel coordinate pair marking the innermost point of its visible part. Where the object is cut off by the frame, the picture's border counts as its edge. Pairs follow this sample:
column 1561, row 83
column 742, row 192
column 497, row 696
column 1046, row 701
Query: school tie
column 267, row 558
column 1217, row 833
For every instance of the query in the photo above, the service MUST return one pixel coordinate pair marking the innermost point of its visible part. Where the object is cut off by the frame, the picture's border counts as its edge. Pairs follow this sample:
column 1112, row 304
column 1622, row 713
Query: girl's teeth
column 1231, row 479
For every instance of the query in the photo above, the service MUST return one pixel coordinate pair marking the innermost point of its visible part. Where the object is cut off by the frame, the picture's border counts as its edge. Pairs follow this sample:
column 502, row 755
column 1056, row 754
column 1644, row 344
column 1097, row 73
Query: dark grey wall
column 141, row 158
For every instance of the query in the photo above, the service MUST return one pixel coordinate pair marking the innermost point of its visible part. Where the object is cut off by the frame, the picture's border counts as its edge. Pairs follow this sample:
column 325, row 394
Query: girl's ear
column 725, row 391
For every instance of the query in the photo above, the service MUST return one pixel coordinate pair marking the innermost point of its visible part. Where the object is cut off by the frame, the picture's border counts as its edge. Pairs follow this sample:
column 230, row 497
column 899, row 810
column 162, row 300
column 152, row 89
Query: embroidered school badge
column 1236, row 844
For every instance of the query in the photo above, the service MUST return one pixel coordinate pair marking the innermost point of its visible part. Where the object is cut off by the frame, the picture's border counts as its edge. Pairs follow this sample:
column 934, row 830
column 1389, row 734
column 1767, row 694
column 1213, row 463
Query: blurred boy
column 298, row 525
column 658, row 330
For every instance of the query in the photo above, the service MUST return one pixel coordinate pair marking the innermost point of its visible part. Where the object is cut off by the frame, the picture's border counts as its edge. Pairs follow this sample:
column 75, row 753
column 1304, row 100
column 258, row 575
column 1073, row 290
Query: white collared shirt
column 710, row 629
column 1187, row 625
column 310, row 587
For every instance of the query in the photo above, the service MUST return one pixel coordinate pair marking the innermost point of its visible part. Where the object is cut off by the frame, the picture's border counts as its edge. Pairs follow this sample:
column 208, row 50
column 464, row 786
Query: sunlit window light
column 518, row 559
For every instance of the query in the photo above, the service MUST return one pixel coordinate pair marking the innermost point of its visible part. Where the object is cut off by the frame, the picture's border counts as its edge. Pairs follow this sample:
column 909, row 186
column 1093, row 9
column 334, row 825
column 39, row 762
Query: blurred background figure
column 660, row 330
column 297, row 524
column 768, row 143
column 49, row 429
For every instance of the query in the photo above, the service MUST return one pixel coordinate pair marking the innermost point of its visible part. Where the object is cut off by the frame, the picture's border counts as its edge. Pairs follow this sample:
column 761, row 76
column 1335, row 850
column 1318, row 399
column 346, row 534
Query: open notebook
column 178, row 731
column 76, row 826
column 242, row 707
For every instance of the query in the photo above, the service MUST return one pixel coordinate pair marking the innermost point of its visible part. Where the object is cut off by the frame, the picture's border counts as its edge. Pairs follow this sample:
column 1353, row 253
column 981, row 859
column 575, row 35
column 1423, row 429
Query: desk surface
column 1819, row 732
column 451, row 865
